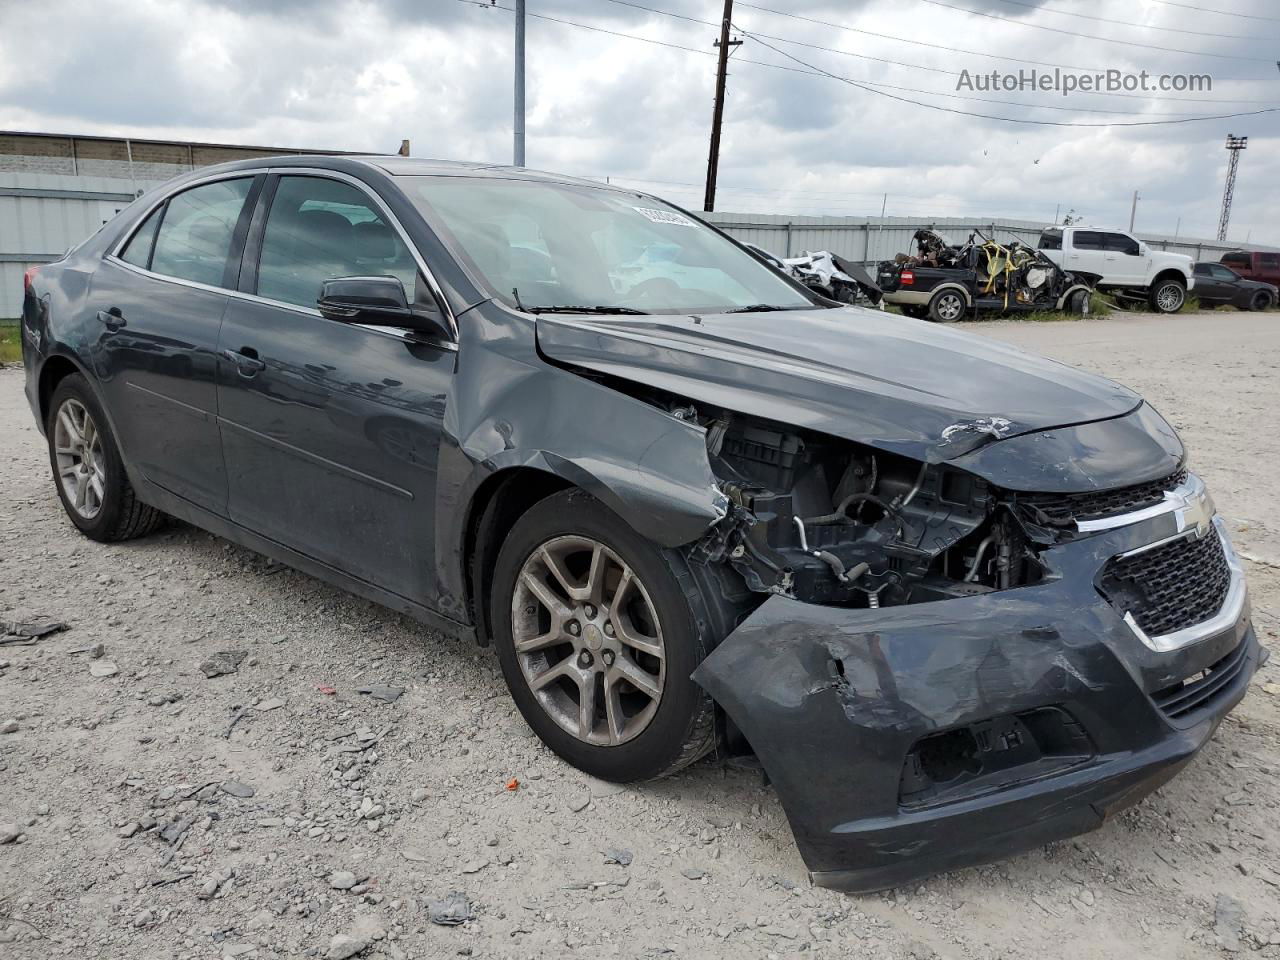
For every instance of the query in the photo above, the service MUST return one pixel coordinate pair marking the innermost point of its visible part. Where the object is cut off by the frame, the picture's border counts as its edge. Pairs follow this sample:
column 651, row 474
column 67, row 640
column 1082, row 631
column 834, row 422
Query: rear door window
column 138, row 250
column 196, row 231
column 319, row 229
column 1237, row 261
column 1269, row 261
column 1088, row 240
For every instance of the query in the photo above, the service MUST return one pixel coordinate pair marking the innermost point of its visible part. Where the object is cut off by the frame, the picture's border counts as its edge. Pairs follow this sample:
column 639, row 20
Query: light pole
column 519, row 98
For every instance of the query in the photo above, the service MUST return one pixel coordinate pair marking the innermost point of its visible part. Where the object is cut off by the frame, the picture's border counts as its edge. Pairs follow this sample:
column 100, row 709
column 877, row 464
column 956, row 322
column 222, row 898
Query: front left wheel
column 87, row 469
column 1168, row 296
column 597, row 631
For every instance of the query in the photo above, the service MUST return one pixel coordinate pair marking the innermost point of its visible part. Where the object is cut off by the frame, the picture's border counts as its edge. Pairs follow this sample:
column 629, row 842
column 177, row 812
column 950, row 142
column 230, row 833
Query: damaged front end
column 974, row 632
column 947, row 671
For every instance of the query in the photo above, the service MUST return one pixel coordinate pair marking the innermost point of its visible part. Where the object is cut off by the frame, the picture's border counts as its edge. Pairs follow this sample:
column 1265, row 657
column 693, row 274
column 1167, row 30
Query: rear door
column 1212, row 283
column 1268, row 268
column 1088, row 253
column 331, row 431
column 159, row 302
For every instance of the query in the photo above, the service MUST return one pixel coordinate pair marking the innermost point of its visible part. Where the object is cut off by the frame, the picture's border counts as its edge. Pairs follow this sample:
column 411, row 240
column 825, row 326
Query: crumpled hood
column 901, row 385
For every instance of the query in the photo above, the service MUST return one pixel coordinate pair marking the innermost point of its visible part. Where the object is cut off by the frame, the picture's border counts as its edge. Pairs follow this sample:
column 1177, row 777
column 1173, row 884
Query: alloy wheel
column 77, row 447
column 588, row 640
column 1169, row 299
column 950, row 307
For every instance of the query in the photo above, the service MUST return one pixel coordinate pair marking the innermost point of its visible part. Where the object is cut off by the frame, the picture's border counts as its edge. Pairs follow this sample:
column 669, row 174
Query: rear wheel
column 597, row 631
column 1168, row 296
column 946, row 306
column 87, row 469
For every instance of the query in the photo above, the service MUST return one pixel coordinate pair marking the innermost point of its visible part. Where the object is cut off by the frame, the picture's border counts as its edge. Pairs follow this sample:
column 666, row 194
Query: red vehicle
column 1254, row 266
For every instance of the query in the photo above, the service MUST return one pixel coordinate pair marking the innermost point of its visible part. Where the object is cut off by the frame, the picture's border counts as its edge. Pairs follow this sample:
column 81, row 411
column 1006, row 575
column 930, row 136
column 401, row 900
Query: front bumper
column 840, row 705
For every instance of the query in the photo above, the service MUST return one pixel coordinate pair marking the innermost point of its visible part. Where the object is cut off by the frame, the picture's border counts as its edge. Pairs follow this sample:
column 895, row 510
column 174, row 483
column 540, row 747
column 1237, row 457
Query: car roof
column 397, row 166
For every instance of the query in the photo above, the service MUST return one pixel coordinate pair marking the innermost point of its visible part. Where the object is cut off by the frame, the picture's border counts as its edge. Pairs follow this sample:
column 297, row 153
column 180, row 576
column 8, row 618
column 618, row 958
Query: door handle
column 246, row 361
column 112, row 319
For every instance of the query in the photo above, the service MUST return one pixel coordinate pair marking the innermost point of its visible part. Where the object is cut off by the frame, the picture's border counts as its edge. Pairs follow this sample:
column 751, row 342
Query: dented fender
column 510, row 409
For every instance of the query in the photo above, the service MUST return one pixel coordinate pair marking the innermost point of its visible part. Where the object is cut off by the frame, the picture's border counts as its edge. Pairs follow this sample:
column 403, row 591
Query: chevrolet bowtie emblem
column 1195, row 512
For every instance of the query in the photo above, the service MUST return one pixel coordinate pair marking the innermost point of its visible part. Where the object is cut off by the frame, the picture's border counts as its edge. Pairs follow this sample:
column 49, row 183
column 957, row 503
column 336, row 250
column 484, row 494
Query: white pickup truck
column 1126, row 267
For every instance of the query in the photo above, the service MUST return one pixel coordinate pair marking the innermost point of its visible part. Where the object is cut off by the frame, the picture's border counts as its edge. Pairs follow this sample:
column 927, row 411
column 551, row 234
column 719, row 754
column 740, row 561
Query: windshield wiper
column 563, row 308
column 762, row 308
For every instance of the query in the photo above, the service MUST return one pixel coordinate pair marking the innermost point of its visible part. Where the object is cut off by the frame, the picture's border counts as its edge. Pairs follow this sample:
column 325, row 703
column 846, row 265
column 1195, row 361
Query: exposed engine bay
column 827, row 521
column 1012, row 276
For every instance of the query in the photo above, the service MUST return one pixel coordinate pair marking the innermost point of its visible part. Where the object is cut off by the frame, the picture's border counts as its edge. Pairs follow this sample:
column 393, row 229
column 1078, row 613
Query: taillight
column 28, row 277
column 907, row 278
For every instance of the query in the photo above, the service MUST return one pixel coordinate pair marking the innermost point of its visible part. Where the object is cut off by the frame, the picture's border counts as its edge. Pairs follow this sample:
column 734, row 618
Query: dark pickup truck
column 943, row 281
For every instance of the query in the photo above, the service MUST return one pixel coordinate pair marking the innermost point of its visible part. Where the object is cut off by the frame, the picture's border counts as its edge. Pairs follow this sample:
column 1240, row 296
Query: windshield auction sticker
column 666, row 216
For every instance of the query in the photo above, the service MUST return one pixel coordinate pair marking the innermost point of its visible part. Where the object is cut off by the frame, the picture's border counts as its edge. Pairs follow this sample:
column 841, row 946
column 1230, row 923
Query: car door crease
column 316, row 458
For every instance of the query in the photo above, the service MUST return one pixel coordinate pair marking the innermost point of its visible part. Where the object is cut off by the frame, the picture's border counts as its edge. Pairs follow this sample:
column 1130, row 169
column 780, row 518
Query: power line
column 988, row 116
column 938, row 46
column 813, row 70
column 1090, row 36
column 1220, row 13
column 812, row 46
column 1130, row 23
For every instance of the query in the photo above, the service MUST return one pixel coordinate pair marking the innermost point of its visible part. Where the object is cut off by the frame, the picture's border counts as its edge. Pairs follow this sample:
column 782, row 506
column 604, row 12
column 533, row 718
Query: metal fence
column 42, row 215
column 869, row 240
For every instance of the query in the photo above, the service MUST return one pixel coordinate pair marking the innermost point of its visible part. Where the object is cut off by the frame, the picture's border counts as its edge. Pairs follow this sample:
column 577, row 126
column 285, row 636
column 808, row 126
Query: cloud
column 363, row 74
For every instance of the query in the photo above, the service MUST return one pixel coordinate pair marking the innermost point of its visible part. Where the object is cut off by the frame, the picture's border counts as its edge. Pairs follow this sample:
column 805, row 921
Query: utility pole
column 717, row 118
column 1133, row 211
column 519, row 119
column 1234, row 146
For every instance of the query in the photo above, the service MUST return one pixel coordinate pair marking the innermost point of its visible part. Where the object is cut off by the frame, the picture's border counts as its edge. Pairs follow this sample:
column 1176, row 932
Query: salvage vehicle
column 957, row 600
column 1128, row 269
column 1218, row 286
column 826, row 273
column 944, row 281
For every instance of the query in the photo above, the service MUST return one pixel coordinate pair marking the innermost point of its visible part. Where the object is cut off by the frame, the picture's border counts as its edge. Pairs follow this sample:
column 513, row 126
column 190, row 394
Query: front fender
column 512, row 409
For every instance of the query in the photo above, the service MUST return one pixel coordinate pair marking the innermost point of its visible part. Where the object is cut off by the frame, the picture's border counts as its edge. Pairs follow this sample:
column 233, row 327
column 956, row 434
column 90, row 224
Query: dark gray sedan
column 957, row 599
column 1218, row 286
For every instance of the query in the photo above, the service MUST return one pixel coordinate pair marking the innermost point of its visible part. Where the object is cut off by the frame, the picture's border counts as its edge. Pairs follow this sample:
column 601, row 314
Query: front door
column 1125, row 260
column 159, row 307
column 331, row 431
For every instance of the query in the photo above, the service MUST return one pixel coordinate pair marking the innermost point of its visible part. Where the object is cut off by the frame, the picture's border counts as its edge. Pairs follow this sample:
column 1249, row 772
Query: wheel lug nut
column 584, row 659
column 608, row 629
column 574, row 627
column 590, row 611
column 607, row 656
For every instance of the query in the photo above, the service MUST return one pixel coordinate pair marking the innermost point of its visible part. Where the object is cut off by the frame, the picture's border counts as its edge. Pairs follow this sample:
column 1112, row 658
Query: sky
column 618, row 91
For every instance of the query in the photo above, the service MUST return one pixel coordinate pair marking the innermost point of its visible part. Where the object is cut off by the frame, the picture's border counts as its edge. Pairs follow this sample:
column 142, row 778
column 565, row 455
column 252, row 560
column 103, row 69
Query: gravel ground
column 262, row 813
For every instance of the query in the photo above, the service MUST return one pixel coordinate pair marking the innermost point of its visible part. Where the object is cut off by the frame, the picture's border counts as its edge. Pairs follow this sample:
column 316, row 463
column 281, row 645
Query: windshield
column 548, row 246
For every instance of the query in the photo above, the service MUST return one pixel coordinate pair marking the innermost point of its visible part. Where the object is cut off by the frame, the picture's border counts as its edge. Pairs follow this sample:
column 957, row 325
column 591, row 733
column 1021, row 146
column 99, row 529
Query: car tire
column 1261, row 301
column 87, row 469
column 635, row 731
column 1168, row 296
column 947, row 306
column 1078, row 303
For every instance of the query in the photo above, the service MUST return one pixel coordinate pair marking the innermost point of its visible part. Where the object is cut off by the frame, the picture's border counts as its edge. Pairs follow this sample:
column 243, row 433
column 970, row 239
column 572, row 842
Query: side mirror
column 380, row 301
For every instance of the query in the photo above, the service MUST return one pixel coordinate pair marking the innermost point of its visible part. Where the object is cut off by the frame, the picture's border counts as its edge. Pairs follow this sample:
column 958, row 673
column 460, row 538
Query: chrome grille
column 1062, row 508
column 1170, row 587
